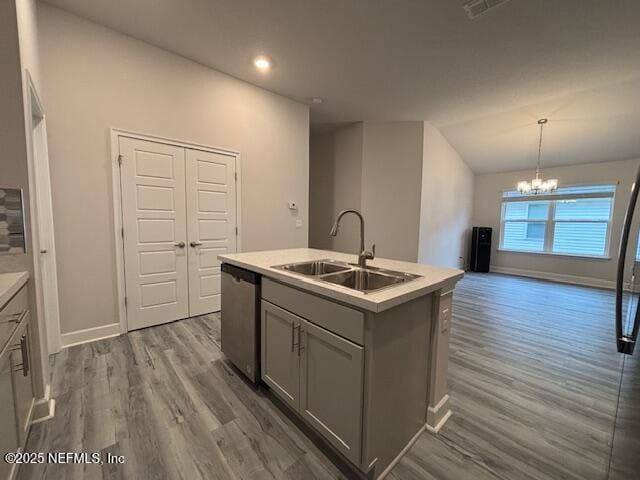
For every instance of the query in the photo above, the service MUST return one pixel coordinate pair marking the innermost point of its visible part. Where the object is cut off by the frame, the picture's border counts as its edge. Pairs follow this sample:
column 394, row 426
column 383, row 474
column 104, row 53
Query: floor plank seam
column 458, row 448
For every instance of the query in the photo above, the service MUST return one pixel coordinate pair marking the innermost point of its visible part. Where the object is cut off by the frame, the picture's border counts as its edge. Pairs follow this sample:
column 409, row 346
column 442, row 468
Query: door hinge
column 122, row 232
column 235, row 175
column 125, row 301
column 120, row 160
column 236, row 231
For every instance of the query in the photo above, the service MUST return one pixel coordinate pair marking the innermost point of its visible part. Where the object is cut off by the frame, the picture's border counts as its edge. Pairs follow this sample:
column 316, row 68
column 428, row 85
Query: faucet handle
column 372, row 254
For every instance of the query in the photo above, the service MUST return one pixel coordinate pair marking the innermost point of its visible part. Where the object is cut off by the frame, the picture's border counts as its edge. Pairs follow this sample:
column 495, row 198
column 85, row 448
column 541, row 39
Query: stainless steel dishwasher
column 240, row 319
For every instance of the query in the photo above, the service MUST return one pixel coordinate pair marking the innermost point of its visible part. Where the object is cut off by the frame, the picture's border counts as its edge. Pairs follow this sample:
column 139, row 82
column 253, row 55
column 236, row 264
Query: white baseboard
column 51, row 412
column 435, row 429
column 44, row 408
column 402, row 453
column 556, row 277
column 90, row 335
column 438, row 415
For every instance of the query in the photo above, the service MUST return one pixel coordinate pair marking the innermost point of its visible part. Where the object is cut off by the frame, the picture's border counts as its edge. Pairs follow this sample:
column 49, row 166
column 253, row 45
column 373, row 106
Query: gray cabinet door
column 331, row 386
column 8, row 431
column 21, row 372
column 280, row 333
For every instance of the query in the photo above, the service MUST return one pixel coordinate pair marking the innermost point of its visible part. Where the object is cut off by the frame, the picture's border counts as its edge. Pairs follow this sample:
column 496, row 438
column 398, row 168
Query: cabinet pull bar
column 300, row 347
column 296, row 344
column 14, row 318
column 25, row 355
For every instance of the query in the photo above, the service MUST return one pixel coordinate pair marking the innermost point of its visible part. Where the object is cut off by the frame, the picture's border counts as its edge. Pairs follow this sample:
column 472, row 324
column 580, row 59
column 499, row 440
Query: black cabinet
column 480, row 249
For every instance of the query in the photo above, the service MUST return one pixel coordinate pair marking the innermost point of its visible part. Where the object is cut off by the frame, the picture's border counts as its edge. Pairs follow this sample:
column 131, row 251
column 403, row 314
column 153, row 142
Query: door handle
column 195, row 244
column 180, row 244
column 44, row 250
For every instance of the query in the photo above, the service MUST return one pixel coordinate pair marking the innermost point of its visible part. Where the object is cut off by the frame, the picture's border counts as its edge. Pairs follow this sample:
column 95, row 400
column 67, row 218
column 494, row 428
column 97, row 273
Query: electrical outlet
column 298, row 223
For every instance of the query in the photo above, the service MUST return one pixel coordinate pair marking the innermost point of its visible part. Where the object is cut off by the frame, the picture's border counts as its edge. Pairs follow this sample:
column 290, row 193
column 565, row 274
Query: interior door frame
column 41, row 210
column 115, row 134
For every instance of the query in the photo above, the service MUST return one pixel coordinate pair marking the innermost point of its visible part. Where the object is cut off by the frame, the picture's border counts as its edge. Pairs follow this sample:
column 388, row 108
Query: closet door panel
column 211, row 224
column 152, row 176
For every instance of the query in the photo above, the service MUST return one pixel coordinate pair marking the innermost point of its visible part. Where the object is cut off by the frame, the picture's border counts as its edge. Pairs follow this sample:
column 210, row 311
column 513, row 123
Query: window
column 571, row 220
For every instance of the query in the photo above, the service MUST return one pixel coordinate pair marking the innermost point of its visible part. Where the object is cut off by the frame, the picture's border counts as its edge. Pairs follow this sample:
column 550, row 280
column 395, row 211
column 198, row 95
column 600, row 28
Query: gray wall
column 487, row 205
column 13, row 159
column 412, row 187
column 446, row 204
column 18, row 53
column 374, row 167
column 321, row 188
column 391, row 177
column 335, row 184
column 97, row 78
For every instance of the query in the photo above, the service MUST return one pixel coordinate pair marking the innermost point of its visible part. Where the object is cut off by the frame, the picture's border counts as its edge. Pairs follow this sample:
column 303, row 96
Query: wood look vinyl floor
column 534, row 379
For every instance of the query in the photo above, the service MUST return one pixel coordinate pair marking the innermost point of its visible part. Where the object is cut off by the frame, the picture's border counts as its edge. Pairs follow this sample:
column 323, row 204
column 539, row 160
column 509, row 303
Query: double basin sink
column 364, row 280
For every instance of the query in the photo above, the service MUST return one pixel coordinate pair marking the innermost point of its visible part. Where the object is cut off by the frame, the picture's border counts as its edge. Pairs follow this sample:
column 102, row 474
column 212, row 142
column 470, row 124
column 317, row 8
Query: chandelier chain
column 539, row 151
column 537, row 185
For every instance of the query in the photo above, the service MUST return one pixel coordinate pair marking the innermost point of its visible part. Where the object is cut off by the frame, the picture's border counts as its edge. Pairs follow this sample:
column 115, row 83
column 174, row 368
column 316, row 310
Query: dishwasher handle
column 240, row 274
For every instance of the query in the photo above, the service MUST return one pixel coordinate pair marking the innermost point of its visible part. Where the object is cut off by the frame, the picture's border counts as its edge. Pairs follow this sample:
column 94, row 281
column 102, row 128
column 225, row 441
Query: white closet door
column 211, row 224
column 155, row 232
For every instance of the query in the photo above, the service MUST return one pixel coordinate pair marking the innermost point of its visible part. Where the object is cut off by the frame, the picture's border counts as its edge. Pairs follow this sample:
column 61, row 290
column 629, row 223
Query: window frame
column 550, row 221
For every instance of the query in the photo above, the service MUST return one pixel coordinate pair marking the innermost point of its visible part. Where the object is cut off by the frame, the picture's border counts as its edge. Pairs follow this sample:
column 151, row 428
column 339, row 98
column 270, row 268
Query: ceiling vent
column 475, row 8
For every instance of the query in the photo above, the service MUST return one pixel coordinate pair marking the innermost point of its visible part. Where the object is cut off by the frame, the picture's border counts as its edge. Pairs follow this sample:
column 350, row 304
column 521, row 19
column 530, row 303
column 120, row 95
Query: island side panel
column 438, row 406
column 396, row 373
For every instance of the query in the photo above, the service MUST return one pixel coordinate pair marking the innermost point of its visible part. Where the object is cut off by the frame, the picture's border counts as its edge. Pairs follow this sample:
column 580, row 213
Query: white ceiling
column 483, row 82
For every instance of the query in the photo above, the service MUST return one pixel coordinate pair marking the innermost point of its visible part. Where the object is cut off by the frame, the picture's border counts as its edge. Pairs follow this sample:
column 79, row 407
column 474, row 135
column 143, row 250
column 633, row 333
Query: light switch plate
column 298, row 223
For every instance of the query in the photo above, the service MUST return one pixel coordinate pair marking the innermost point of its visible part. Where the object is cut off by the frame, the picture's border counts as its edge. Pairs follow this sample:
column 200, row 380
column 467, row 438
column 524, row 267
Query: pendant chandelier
column 537, row 185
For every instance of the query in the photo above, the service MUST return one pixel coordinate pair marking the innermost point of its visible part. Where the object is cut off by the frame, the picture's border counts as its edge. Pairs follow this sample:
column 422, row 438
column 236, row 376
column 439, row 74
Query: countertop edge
column 346, row 297
column 21, row 279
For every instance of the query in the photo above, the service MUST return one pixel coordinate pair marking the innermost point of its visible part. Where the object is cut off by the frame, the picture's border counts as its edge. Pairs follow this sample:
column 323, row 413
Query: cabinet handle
column 293, row 329
column 14, row 318
column 25, row 355
column 195, row 244
column 300, row 347
column 293, row 342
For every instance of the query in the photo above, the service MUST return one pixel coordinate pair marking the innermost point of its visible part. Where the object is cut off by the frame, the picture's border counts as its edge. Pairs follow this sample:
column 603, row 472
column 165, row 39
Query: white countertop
column 433, row 278
column 10, row 283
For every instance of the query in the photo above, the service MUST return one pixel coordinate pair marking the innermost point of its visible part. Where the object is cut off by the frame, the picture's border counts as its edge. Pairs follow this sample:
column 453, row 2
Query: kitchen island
column 367, row 371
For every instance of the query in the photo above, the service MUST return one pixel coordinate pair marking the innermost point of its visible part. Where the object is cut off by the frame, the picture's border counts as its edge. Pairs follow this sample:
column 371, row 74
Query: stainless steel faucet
column 363, row 256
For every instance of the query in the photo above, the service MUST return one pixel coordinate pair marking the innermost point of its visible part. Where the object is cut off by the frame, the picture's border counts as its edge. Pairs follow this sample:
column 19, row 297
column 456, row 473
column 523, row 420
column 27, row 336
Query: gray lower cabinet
column 9, row 434
column 280, row 366
column 318, row 374
column 331, row 379
column 21, row 374
column 16, row 389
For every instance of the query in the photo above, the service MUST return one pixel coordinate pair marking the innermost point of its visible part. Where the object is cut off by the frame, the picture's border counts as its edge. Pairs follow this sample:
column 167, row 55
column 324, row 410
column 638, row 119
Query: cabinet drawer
column 10, row 315
column 336, row 318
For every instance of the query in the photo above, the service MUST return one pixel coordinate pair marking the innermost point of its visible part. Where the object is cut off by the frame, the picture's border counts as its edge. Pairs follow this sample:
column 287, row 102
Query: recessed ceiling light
column 262, row 63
